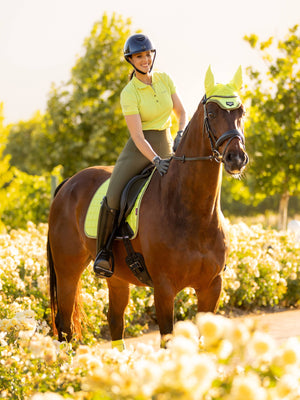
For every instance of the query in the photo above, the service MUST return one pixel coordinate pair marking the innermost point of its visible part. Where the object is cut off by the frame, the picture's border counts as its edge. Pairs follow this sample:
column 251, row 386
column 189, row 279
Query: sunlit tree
column 273, row 128
column 5, row 171
column 83, row 124
column 84, row 120
column 24, row 145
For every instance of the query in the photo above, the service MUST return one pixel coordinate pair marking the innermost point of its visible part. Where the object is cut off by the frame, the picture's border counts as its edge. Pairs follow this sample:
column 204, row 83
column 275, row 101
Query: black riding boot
column 107, row 223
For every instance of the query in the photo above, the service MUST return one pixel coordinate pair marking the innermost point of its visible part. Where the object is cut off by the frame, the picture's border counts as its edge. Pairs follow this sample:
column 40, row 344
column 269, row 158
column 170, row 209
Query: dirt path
column 280, row 325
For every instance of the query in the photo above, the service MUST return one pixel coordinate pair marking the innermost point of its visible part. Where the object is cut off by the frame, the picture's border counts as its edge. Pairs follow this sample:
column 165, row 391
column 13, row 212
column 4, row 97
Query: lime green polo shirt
column 152, row 102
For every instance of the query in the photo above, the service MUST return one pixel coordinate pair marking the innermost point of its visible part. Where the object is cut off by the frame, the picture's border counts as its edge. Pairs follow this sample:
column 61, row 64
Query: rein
column 214, row 142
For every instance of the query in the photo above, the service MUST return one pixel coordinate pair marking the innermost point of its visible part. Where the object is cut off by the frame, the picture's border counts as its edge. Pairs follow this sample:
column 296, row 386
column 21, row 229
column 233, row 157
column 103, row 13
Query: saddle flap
column 131, row 192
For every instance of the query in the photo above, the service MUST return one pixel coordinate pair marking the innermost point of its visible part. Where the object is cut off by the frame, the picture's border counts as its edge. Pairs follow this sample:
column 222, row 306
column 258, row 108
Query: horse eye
column 211, row 115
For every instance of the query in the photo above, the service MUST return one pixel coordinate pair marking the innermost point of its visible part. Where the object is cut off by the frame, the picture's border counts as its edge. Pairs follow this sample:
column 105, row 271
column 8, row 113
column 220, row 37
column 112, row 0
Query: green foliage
column 5, row 174
column 273, row 125
column 23, row 197
column 85, row 125
column 25, row 145
column 272, row 131
column 27, row 199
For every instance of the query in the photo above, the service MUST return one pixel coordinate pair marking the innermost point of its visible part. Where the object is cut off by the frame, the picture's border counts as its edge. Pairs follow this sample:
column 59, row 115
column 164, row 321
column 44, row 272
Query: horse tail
column 52, row 274
column 79, row 318
column 53, row 286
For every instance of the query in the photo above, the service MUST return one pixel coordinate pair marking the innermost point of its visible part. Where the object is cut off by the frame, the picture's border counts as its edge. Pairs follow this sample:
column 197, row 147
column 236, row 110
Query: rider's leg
column 107, row 221
column 130, row 163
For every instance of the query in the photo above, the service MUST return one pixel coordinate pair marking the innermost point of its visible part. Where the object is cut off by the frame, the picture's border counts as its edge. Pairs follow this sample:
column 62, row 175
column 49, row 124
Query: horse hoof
column 165, row 339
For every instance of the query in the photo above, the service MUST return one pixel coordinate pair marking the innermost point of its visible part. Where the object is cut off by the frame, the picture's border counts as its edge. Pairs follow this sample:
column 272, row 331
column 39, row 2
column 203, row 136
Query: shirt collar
column 140, row 85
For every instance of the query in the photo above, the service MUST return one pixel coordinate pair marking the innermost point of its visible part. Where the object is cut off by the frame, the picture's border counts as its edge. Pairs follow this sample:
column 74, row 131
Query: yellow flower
column 212, row 327
column 247, row 388
column 186, row 329
column 204, row 370
column 288, row 385
column 82, row 350
column 182, row 346
column 43, row 347
column 261, row 345
column 224, row 349
column 288, row 355
column 239, row 334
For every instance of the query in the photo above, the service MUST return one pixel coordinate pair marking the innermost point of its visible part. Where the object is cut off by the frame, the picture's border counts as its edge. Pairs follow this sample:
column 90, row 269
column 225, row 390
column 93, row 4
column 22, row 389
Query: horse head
column 223, row 122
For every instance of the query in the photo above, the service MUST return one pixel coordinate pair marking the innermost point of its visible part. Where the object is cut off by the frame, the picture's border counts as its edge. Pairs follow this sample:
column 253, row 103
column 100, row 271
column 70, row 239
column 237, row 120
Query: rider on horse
column 147, row 102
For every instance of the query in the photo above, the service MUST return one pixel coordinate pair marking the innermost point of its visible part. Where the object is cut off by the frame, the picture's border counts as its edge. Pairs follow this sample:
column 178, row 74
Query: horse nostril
column 231, row 157
column 236, row 159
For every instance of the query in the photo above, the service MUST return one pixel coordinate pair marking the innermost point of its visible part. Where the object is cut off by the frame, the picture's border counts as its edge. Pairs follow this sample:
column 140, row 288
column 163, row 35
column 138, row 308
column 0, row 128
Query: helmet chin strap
column 141, row 72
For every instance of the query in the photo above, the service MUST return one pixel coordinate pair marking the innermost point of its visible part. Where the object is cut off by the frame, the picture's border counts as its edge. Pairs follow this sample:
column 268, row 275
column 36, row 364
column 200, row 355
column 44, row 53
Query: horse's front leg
column 119, row 293
column 164, row 306
column 208, row 298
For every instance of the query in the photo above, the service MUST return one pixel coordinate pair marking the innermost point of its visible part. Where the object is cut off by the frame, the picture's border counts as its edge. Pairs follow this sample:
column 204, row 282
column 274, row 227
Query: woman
column 147, row 102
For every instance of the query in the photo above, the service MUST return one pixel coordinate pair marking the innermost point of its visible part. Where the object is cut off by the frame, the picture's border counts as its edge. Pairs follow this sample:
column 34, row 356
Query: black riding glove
column 177, row 140
column 161, row 165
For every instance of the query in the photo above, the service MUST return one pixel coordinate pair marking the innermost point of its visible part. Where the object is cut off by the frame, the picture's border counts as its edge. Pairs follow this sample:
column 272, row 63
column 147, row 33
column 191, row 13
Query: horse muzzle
column 234, row 155
column 235, row 160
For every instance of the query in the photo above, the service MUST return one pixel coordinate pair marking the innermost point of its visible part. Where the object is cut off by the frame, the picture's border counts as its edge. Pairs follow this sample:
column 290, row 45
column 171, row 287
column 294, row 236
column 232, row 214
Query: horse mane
column 60, row 186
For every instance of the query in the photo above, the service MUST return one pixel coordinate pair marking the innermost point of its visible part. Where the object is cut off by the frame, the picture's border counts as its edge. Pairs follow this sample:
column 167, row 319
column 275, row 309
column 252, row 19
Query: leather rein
column 214, row 142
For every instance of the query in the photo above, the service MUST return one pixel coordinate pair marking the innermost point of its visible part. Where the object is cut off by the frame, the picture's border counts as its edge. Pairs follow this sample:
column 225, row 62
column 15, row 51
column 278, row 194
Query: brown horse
column 181, row 233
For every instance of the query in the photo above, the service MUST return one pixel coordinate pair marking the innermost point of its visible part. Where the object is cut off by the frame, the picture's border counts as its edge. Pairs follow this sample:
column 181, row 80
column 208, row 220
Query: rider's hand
column 161, row 165
column 177, row 140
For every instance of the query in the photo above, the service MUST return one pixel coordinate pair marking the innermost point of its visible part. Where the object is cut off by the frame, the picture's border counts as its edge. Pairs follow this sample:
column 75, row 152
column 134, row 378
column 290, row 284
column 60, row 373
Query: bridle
column 214, row 142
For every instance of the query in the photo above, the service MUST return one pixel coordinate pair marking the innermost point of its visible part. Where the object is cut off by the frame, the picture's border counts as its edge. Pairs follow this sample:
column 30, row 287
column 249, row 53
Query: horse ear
column 237, row 80
column 209, row 82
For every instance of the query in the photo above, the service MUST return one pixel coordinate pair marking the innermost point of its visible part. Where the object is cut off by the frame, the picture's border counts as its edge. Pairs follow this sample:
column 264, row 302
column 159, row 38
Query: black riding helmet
column 137, row 44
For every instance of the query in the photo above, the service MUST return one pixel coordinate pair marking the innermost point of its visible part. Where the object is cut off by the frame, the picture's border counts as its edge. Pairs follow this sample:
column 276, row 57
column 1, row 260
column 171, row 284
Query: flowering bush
column 233, row 360
column 263, row 268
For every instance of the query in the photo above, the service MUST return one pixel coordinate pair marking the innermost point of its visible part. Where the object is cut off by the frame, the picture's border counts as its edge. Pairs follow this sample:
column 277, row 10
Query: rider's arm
column 134, row 124
column 179, row 111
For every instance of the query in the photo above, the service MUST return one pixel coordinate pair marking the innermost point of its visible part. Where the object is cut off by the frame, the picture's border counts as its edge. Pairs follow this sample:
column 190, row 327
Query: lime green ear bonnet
column 226, row 96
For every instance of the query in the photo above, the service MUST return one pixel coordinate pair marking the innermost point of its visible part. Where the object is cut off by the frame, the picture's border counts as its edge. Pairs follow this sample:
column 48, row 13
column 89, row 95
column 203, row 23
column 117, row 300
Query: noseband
column 214, row 142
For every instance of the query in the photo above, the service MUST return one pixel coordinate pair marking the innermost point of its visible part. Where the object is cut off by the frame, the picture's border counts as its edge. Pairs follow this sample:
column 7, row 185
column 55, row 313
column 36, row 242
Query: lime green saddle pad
column 91, row 219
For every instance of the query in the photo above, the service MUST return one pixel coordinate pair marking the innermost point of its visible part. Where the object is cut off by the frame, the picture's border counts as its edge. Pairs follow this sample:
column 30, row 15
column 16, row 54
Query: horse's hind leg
column 208, row 298
column 119, row 293
column 68, row 320
column 66, row 295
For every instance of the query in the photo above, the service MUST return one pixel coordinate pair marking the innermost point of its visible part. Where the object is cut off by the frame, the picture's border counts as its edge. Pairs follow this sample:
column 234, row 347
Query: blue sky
column 40, row 39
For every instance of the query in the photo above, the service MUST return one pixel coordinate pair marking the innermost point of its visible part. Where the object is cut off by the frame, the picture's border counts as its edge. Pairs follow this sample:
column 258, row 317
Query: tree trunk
column 283, row 211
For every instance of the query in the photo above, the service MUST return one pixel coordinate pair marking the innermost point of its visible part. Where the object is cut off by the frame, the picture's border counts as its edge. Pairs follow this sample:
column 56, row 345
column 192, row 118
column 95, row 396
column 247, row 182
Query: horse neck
column 195, row 184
